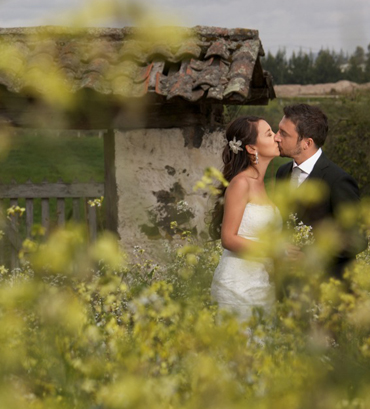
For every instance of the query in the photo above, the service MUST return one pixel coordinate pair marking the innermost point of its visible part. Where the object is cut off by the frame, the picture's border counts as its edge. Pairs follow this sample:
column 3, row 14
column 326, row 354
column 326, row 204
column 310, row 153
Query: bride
column 241, row 281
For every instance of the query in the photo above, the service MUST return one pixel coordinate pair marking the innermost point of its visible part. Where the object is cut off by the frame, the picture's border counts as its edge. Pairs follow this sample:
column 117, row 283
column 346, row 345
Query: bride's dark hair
column 243, row 129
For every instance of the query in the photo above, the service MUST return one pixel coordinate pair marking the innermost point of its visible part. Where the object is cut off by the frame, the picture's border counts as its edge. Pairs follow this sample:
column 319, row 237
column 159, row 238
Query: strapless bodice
column 258, row 218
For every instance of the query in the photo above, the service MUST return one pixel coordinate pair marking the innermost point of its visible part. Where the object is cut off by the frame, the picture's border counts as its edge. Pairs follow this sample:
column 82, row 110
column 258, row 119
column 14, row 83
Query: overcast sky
column 291, row 24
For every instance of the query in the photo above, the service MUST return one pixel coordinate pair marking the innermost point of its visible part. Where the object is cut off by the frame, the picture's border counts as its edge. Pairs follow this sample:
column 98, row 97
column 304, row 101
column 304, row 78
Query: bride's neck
column 258, row 171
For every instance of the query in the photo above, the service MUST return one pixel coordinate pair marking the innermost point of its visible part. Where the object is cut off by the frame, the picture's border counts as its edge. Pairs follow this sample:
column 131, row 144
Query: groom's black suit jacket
column 342, row 189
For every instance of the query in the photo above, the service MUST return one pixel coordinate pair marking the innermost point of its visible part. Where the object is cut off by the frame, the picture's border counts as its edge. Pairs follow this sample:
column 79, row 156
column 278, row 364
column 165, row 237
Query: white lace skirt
column 239, row 285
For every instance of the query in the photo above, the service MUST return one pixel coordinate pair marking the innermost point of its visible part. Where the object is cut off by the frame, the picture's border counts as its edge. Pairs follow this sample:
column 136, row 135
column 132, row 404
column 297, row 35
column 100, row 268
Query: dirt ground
column 337, row 88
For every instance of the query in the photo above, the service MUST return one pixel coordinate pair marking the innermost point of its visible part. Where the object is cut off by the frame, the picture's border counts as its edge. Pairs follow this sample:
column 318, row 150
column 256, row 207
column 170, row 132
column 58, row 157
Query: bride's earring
column 256, row 158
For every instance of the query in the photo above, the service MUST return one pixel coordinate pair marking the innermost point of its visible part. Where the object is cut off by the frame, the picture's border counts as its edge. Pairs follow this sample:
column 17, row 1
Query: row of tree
column 326, row 66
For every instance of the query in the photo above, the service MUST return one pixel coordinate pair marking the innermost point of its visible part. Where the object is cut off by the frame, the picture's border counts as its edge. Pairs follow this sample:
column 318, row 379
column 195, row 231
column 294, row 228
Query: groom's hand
column 293, row 253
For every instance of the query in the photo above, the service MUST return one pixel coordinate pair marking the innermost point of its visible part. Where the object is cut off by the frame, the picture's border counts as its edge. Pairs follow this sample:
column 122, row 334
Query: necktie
column 296, row 172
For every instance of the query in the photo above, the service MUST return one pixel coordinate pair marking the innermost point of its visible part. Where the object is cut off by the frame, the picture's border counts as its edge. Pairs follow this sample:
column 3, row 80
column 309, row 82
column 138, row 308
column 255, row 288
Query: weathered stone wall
column 156, row 170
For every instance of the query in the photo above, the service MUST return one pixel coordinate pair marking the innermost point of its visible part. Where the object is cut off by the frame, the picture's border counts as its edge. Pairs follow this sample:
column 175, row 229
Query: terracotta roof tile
column 126, row 68
column 180, row 84
column 200, row 65
column 209, row 63
column 241, row 68
column 237, row 85
column 188, row 50
column 40, row 61
column 210, row 76
column 157, row 68
column 143, row 73
column 125, row 88
column 216, row 92
column 161, row 84
column 219, row 48
column 95, row 81
column 132, row 50
column 69, row 61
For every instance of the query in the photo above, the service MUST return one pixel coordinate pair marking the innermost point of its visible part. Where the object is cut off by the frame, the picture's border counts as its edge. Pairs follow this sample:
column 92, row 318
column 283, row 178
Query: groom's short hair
column 310, row 122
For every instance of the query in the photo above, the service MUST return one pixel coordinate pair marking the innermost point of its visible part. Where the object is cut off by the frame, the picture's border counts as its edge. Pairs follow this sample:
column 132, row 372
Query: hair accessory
column 235, row 146
column 256, row 159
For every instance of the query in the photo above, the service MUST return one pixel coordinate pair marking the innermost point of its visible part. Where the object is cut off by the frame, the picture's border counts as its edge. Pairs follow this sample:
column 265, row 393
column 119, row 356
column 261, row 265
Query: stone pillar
column 110, row 184
column 155, row 172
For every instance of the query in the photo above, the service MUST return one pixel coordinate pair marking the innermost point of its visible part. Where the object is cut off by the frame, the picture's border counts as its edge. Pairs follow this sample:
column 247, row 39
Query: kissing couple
column 242, row 280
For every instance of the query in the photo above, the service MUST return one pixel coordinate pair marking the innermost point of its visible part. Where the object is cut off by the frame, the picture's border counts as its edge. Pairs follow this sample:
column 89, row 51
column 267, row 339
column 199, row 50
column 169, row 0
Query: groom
column 302, row 133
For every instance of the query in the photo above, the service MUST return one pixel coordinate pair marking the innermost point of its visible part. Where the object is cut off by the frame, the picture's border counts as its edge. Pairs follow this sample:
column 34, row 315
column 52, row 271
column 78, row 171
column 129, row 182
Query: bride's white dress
column 241, row 284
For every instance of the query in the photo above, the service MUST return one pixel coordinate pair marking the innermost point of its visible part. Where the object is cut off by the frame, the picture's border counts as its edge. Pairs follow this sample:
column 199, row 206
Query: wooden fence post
column 92, row 219
column 14, row 261
column 45, row 191
column 45, row 215
column 61, row 217
column 29, row 216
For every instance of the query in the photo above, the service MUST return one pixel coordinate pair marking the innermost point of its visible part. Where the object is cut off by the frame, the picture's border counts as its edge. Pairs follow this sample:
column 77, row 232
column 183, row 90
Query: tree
column 300, row 68
column 341, row 58
column 326, row 68
column 356, row 69
column 367, row 65
column 277, row 66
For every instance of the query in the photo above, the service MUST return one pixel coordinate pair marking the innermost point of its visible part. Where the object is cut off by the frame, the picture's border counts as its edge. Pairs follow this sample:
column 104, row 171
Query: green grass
column 46, row 156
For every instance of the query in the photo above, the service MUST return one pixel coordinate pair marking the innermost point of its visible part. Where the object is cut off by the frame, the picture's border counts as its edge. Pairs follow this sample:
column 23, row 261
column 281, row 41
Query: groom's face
column 287, row 138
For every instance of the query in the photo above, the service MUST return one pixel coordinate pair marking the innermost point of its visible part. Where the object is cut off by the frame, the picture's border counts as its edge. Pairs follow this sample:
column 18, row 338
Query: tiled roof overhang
column 210, row 64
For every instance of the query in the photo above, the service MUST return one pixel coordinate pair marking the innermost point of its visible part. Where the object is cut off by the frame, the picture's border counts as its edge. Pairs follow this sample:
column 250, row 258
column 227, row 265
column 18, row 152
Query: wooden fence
column 30, row 195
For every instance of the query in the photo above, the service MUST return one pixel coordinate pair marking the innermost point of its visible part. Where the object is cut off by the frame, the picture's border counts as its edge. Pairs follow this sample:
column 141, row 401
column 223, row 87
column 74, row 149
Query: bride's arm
column 236, row 199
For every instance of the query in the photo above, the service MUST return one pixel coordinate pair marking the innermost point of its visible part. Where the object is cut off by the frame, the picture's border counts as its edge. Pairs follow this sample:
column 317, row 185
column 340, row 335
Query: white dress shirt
column 307, row 166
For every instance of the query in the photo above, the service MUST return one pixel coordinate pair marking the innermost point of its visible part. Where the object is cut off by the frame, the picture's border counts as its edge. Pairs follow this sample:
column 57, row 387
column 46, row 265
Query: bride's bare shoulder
column 239, row 183
column 241, row 179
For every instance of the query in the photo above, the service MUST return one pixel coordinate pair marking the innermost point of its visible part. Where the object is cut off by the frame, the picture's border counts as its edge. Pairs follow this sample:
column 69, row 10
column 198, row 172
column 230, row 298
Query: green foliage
column 80, row 327
column 326, row 66
column 348, row 142
column 356, row 66
column 276, row 65
column 300, row 69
